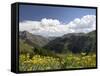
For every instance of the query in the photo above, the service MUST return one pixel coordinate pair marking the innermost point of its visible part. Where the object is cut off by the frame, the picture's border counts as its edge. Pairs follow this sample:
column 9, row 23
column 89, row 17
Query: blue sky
column 63, row 14
column 56, row 21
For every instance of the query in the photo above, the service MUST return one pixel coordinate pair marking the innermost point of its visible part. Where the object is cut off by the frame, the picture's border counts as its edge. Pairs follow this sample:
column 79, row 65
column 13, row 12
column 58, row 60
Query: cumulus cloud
column 53, row 27
column 49, row 22
column 85, row 24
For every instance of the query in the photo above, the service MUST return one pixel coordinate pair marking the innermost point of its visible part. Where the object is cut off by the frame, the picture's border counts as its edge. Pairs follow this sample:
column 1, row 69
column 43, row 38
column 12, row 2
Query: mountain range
column 74, row 42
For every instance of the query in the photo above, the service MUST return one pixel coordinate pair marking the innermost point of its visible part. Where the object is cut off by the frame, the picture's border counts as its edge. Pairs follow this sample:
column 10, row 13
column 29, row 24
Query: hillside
column 33, row 40
column 75, row 42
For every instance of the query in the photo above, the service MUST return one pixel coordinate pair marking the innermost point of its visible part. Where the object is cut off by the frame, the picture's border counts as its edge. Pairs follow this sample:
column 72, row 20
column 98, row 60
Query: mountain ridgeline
column 33, row 40
column 72, row 42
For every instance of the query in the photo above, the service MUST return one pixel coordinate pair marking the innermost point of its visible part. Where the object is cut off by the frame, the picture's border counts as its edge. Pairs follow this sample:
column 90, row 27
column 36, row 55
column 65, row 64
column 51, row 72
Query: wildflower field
column 68, row 61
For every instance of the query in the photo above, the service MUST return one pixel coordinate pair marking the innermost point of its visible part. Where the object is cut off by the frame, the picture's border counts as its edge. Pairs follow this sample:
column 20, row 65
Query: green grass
column 66, row 61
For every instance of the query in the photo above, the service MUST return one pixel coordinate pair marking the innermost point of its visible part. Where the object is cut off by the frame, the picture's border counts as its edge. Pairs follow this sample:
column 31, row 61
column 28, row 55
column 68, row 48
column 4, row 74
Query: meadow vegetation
column 67, row 61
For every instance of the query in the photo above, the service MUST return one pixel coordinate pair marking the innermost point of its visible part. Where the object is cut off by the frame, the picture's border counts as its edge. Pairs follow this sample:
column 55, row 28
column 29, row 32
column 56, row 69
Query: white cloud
column 53, row 27
column 85, row 24
column 49, row 22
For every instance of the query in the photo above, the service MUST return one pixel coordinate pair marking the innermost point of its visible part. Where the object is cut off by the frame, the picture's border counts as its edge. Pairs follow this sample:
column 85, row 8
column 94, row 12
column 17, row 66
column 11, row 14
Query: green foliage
column 38, row 62
column 44, row 52
column 74, row 42
column 24, row 47
column 67, row 61
column 78, row 61
column 33, row 50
